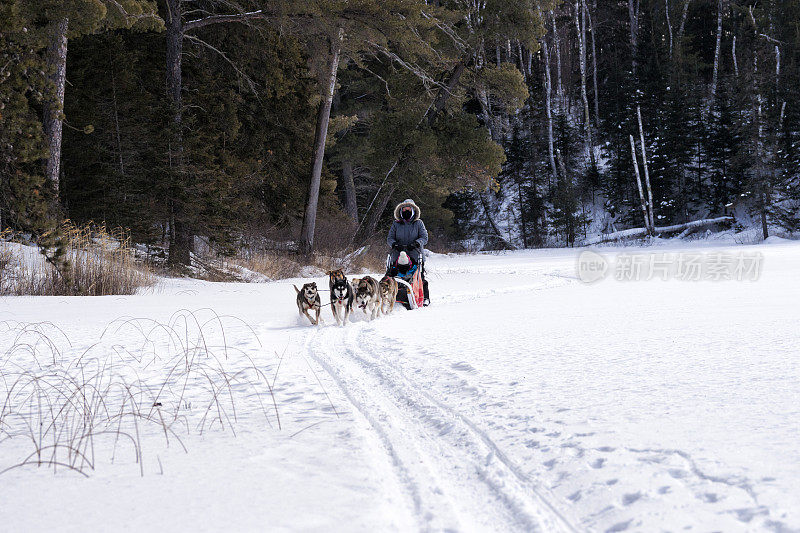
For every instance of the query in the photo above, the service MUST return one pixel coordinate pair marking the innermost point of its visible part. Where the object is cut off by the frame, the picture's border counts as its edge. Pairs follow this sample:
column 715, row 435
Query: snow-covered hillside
column 522, row 399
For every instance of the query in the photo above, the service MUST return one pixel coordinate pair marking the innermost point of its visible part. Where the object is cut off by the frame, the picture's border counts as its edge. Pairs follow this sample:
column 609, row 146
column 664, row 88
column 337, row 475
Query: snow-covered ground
column 522, row 399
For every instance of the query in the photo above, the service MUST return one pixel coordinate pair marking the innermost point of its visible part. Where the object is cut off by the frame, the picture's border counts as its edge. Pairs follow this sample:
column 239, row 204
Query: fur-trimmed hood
column 407, row 203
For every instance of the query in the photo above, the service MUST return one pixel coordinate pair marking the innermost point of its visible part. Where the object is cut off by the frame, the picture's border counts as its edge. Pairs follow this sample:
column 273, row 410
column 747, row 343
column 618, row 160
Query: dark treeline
column 510, row 122
column 716, row 82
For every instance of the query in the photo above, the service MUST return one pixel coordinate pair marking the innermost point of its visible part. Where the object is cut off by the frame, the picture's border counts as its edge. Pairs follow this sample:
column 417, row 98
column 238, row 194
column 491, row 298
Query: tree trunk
column 682, row 27
column 174, row 34
column 118, row 135
column 486, row 110
column 323, row 117
column 715, row 72
column 633, row 14
column 374, row 213
column 350, row 203
column 580, row 16
column 443, row 95
column 761, row 180
column 556, row 41
column 639, row 185
column 669, row 25
column 636, row 232
column 548, row 110
column 594, row 68
column 570, row 227
column 646, row 171
column 54, row 108
column 733, row 54
column 529, row 62
column 522, row 217
column 181, row 242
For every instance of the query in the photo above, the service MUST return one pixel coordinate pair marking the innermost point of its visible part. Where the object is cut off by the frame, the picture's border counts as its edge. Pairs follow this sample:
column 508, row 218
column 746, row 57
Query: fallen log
column 639, row 232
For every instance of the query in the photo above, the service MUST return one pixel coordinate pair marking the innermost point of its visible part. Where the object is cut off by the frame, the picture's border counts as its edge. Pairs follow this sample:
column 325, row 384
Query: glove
column 416, row 246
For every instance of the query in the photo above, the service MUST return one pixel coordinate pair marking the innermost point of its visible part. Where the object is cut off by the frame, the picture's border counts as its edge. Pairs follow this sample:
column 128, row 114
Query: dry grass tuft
column 97, row 261
column 271, row 263
column 143, row 382
column 282, row 264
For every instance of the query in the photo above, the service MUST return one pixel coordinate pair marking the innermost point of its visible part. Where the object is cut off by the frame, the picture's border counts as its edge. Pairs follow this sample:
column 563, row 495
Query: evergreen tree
column 23, row 86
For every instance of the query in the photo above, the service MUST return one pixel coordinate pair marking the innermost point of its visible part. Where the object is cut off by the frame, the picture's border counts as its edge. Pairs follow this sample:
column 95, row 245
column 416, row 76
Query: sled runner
column 409, row 285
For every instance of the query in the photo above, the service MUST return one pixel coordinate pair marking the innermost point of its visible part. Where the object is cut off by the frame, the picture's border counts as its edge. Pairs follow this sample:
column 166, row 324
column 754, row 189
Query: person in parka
column 408, row 234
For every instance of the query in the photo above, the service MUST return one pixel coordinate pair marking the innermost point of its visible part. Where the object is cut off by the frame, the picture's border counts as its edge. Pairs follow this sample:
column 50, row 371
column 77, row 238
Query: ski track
column 457, row 478
column 464, row 475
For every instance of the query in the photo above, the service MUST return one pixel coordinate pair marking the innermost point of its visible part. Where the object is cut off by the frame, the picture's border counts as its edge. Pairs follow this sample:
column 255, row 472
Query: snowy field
column 522, row 400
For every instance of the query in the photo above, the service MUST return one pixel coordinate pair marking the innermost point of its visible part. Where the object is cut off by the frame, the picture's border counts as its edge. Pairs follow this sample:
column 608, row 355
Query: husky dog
column 368, row 296
column 341, row 296
column 308, row 298
column 388, row 294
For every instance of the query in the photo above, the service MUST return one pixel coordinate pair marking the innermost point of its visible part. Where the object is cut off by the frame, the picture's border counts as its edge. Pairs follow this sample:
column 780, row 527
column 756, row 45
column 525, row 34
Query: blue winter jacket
column 407, row 232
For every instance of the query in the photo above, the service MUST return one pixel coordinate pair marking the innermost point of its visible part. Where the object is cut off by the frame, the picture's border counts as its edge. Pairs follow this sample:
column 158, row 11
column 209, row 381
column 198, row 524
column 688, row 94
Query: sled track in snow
column 456, row 477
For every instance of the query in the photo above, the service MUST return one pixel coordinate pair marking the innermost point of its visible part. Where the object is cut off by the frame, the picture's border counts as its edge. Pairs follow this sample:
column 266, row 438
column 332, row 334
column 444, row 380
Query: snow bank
column 520, row 400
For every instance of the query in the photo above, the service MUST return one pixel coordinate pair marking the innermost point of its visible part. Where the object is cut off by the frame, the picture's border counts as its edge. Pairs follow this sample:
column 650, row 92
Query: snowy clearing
column 521, row 400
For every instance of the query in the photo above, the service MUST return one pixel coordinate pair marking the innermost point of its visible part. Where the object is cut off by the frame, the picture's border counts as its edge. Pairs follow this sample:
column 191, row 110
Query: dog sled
column 409, row 284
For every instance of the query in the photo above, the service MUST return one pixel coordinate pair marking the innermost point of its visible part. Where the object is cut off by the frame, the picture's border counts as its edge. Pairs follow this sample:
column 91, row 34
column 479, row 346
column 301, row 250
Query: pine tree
column 23, row 86
column 721, row 145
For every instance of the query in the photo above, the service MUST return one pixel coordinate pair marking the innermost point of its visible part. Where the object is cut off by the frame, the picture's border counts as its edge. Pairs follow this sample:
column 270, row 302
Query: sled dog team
column 373, row 297
column 407, row 239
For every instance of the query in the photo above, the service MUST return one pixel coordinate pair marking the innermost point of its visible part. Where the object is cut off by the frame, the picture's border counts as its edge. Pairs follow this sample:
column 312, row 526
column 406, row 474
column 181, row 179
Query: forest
column 512, row 123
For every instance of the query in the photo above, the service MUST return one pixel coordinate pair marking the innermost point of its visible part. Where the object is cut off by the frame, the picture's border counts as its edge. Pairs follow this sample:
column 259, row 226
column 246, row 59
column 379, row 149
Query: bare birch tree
column 557, row 45
column 548, row 108
column 669, row 25
column 53, row 108
column 642, row 200
column 594, row 66
column 684, row 14
column 715, row 72
column 646, row 169
column 580, row 16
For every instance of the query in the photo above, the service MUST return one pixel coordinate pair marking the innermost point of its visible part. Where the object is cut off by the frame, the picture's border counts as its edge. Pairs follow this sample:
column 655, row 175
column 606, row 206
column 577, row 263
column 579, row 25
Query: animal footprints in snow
column 746, row 515
column 630, row 498
column 463, row 367
column 598, row 463
column 619, row 526
column 677, row 473
column 574, row 449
